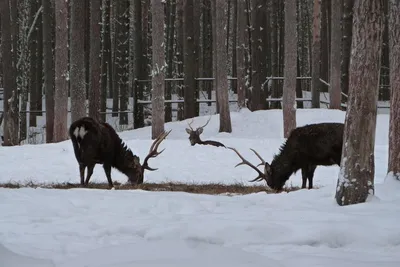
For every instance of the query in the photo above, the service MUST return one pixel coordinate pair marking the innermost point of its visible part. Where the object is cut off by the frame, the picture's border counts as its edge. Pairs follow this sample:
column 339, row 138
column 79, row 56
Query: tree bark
column 158, row 72
column 357, row 167
column 241, row 46
column 394, row 59
column 48, row 68
column 61, row 72
column 347, row 32
column 289, row 84
column 94, row 58
column 220, row 61
column 77, row 57
column 10, row 100
column 334, row 88
column 316, row 56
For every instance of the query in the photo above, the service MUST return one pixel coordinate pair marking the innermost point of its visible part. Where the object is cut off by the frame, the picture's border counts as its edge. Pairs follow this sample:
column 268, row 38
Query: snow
column 118, row 228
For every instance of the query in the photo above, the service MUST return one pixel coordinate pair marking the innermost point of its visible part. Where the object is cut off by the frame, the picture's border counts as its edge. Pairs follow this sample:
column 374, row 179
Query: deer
column 97, row 142
column 307, row 147
column 194, row 136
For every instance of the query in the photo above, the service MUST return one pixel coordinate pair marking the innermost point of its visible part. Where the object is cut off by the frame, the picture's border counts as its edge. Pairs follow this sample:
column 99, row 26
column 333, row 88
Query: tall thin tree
column 241, row 52
column 357, row 167
column 61, row 72
column 394, row 58
column 158, row 69
column 336, row 37
column 316, row 55
column 289, row 84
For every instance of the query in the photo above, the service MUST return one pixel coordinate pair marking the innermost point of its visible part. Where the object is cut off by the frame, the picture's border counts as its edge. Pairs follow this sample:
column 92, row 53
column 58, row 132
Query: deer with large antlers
column 98, row 143
column 306, row 148
column 194, row 135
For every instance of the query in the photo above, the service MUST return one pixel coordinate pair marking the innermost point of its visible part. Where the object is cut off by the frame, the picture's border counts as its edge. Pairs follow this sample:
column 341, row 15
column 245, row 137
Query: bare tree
column 11, row 126
column 220, row 64
column 240, row 51
column 61, row 72
column 394, row 58
column 94, row 58
column 158, row 72
column 77, row 57
column 289, row 84
column 315, row 58
column 336, row 37
column 48, row 67
column 357, row 167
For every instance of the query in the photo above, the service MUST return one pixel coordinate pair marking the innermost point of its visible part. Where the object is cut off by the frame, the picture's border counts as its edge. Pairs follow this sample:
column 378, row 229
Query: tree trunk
column 289, row 84
column 189, row 56
column 94, row 58
column 207, row 48
column 357, row 167
column 220, row 61
column 347, row 32
column 106, row 58
column 61, row 72
column 394, row 58
column 77, row 57
column 10, row 100
column 33, row 59
column 158, row 72
column 241, row 46
column 48, row 67
column 179, row 54
column 316, row 48
column 334, row 88
column 274, row 52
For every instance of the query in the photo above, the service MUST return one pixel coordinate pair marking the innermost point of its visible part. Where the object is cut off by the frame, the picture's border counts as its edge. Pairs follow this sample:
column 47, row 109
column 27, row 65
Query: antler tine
column 153, row 150
column 258, row 155
column 260, row 176
column 189, row 124
column 206, row 122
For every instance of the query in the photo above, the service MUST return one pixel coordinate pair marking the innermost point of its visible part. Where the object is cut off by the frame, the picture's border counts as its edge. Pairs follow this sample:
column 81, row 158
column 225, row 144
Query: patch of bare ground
column 195, row 188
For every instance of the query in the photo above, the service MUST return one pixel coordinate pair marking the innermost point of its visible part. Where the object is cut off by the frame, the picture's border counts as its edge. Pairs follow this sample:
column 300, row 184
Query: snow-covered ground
column 112, row 228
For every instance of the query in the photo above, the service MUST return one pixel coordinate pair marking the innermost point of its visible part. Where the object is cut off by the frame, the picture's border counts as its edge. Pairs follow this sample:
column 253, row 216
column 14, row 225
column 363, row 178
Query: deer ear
column 199, row 131
column 188, row 130
column 267, row 169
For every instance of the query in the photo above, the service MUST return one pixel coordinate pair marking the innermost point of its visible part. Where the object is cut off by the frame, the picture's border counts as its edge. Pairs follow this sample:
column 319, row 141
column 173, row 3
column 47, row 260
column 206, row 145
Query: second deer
column 194, row 136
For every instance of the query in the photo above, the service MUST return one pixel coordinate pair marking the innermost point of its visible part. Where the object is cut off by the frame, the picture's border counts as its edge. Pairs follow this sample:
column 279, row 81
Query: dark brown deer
column 306, row 148
column 98, row 143
column 194, row 136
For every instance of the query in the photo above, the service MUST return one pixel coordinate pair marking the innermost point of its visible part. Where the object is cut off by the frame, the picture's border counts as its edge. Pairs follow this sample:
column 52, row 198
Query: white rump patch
column 76, row 132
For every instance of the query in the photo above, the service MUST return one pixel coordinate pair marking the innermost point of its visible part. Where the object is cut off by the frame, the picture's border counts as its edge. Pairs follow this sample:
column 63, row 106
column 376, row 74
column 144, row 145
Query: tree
column 336, row 37
column 48, row 67
column 315, row 58
column 289, row 84
column 11, row 126
column 394, row 58
column 61, row 72
column 94, row 59
column 158, row 72
column 357, row 167
column 347, row 33
column 77, row 57
column 220, row 65
column 240, row 52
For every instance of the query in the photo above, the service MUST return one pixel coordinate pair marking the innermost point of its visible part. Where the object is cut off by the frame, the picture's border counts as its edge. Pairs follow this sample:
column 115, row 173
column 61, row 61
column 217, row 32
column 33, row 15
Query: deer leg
column 311, row 170
column 89, row 173
column 82, row 172
column 107, row 170
column 304, row 174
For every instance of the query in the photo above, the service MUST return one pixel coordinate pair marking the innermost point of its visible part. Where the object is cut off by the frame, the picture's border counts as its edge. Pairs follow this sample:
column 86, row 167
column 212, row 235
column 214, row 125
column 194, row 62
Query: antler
column 190, row 124
column 261, row 176
column 206, row 123
column 153, row 150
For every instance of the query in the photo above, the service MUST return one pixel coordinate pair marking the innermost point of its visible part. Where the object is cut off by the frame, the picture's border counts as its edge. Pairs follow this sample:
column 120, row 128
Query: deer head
column 267, row 175
column 194, row 135
column 138, row 169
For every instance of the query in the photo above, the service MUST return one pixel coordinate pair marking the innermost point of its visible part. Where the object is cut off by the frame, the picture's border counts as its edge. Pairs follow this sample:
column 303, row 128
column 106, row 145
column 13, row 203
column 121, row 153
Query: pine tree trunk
column 241, row 47
column 158, row 69
column 220, row 61
column 61, row 72
column 357, row 168
column 179, row 54
column 394, row 127
column 33, row 54
column 316, row 57
column 10, row 100
column 94, row 58
column 48, row 67
column 77, row 57
column 347, row 32
column 106, row 85
column 334, row 88
column 289, row 84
